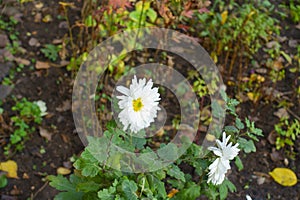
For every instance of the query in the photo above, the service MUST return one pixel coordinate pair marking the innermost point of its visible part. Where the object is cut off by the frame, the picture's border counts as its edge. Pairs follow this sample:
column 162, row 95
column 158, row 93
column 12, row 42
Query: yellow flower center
column 137, row 104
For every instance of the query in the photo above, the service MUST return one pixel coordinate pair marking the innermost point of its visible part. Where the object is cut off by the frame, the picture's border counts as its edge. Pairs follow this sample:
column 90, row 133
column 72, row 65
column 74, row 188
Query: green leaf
column 238, row 162
column 107, row 194
column 217, row 109
column 88, row 164
column 60, row 183
column 175, row 172
column 229, row 185
column 135, row 16
column 168, row 152
column 89, row 186
column 239, row 124
column 3, row 181
column 231, row 129
column 247, row 145
column 223, row 191
column 69, row 195
column 152, row 15
column 139, row 142
column 129, row 188
column 191, row 192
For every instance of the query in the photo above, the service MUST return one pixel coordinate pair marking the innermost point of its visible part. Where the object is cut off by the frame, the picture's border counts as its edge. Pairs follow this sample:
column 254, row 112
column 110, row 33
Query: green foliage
column 295, row 12
column 287, row 132
column 50, row 51
column 100, row 171
column 9, row 27
column 3, row 181
column 26, row 113
column 246, row 131
column 236, row 31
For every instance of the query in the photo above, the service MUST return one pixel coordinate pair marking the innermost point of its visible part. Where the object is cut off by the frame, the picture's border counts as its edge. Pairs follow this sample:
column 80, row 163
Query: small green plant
column 51, row 51
column 295, row 12
column 9, row 27
column 3, row 181
column 288, row 132
column 27, row 114
column 95, row 180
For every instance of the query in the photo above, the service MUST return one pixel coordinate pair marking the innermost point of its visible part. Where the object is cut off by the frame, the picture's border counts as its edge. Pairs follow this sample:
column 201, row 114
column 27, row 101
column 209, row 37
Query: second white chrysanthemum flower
column 139, row 104
column 219, row 167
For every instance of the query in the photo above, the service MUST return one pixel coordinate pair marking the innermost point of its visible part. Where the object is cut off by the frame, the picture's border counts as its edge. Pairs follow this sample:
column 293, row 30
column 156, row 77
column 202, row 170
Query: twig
column 39, row 190
column 292, row 113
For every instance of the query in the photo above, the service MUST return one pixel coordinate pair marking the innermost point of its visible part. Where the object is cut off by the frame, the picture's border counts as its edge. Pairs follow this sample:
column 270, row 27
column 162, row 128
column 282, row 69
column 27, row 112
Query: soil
column 54, row 86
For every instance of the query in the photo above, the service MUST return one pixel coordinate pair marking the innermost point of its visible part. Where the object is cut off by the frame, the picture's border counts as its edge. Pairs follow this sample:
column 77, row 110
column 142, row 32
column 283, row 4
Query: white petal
column 123, row 90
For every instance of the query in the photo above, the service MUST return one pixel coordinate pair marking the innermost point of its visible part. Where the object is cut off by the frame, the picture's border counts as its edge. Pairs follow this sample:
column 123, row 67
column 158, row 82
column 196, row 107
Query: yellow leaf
column 284, row 176
column 224, row 16
column 253, row 96
column 10, row 167
column 47, row 19
column 210, row 137
column 172, row 193
column 214, row 56
column 63, row 171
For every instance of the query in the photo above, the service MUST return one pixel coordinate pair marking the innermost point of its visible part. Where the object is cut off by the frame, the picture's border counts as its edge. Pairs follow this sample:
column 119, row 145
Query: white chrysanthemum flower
column 139, row 104
column 220, row 166
column 42, row 106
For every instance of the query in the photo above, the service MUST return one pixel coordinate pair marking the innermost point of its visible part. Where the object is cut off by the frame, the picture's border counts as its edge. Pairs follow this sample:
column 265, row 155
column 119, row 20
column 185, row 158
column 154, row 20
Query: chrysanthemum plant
column 189, row 177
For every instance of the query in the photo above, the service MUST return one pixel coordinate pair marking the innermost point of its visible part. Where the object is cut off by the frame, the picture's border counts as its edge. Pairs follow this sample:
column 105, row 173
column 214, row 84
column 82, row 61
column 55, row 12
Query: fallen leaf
column 160, row 132
column 57, row 41
column 42, row 65
column 253, row 96
column 284, row 176
column 260, row 180
column 39, row 5
column 47, row 19
column 10, row 167
column 22, row 61
column 37, row 18
column 34, row 42
column 272, row 137
column 66, row 105
column 63, row 171
column 65, row 138
column 276, row 156
column 25, row 176
column 45, row 134
column 282, row 113
column 172, row 193
column 15, row 191
column 277, row 65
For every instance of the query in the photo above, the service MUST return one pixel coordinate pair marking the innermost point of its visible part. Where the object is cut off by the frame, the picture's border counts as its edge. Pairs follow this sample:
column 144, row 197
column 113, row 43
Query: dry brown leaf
column 38, row 18
column 282, row 113
column 34, row 42
column 66, row 105
column 42, row 65
column 65, row 138
column 22, row 61
column 57, row 41
column 272, row 137
column 63, row 171
column 45, row 134
column 10, row 167
column 39, row 5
